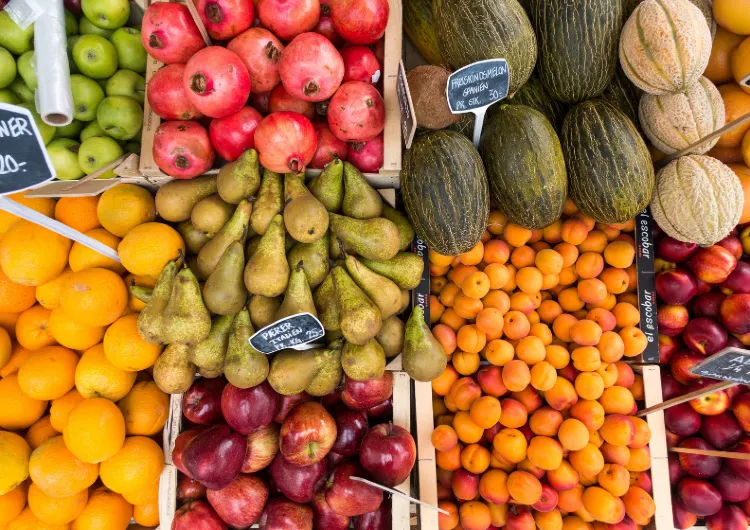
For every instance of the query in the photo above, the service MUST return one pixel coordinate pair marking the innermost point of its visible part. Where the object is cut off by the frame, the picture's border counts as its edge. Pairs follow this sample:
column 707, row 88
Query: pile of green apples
column 107, row 63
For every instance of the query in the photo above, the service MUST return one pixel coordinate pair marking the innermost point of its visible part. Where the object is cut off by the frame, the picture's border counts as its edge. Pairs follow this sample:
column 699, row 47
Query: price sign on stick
column 475, row 87
column 646, row 284
column 730, row 364
column 294, row 332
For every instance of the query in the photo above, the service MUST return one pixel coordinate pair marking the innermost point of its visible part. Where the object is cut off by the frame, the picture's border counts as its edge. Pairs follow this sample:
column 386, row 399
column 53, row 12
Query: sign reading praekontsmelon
column 730, row 364
column 290, row 332
column 644, row 263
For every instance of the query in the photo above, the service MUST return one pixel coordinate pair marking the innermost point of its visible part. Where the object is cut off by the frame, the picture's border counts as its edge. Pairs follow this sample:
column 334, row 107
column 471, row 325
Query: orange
column 743, row 173
column 733, row 15
column 43, row 206
column 32, row 255
column 32, row 328
column 40, row 432
column 719, row 69
column 95, row 430
column 145, row 409
column 105, row 510
column 8, row 323
column 137, row 306
column 61, row 407
column 48, row 294
column 147, row 248
column 148, row 495
column 136, row 466
column 146, row 514
column 17, row 410
column 14, row 461
column 97, row 377
column 94, row 297
column 71, row 334
column 57, row 472
column 125, row 348
column 124, row 207
column 28, row 521
column 78, row 213
column 736, row 104
column 48, row 373
column 6, row 348
column 82, row 257
column 11, row 504
column 53, row 510
column 14, row 297
column 18, row 356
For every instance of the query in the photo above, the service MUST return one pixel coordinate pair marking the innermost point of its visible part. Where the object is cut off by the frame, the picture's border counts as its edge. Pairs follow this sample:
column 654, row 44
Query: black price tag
column 289, row 332
column 23, row 158
column 406, row 105
column 730, row 364
column 644, row 262
column 420, row 296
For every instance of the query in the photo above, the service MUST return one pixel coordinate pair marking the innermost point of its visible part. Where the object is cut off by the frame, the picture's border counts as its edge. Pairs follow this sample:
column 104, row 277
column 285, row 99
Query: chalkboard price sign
column 23, row 158
column 730, row 364
column 644, row 259
column 289, row 332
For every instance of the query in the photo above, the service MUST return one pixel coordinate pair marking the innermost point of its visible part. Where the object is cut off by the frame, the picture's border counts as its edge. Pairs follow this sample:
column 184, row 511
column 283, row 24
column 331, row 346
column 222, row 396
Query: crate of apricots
column 535, row 412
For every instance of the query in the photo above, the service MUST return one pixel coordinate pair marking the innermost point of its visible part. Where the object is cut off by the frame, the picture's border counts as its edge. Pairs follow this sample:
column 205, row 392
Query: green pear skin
column 381, row 290
column 305, row 217
column 361, row 201
column 404, row 269
column 244, row 366
column 236, row 229
column 326, row 304
column 363, row 363
column 423, row 358
column 186, row 319
column 314, row 257
column 330, row 374
column 292, row 371
column 195, row 240
column 224, row 292
column 267, row 270
column 263, row 310
column 209, row 354
column 376, row 239
column 211, row 214
column 391, row 336
column 298, row 297
column 268, row 203
column 173, row 372
column 151, row 319
column 176, row 199
column 239, row 180
column 359, row 317
column 328, row 187
column 405, row 230
column 141, row 293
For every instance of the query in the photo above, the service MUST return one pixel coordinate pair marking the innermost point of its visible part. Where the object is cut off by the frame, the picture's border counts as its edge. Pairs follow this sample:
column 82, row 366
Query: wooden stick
column 97, row 173
column 686, row 397
column 708, row 452
column 398, row 494
column 198, row 22
column 728, row 127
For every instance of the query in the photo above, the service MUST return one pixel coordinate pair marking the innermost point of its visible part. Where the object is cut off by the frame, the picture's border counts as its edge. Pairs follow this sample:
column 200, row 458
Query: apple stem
column 390, row 428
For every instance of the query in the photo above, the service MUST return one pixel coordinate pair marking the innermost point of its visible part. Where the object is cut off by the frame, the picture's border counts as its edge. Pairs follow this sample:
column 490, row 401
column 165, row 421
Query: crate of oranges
column 535, row 414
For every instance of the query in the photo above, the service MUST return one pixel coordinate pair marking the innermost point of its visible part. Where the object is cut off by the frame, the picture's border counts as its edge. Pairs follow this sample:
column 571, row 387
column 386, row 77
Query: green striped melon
column 697, row 200
column 533, row 95
column 420, row 29
column 674, row 121
column 624, row 95
column 665, row 46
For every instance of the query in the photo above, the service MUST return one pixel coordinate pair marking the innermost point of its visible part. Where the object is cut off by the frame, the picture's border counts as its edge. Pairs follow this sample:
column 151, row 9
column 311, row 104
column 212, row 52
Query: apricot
column 586, row 358
column 589, row 385
column 551, row 520
column 449, row 460
column 615, row 280
column 522, row 302
column 618, row 429
column 637, row 388
column 499, row 352
column 615, row 479
column 545, row 452
column 524, row 487
column 596, row 241
column 587, row 461
column 543, row 376
column 466, row 307
column 438, row 406
column 574, row 231
column 626, row 314
column 603, row 317
column 436, row 309
column 496, row 222
column 522, row 256
column 575, row 522
column 529, row 398
column 586, row 333
column 474, row 515
column 592, row 291
column 571, row 499
column 611, row 347
column 496, row 251
column 467, row 431
column 634, row 339
column 639, row 505
column 498, row 514
column 476, row 285
column 640, row 459
column 545, row 421
column 528, row 466
column 444, row 438
column 587, row 481
column 542, row 332
column 497, row 299
column 489, row 321
column 625, row 375
column 617, row 400
column 642, row 479
column 475, row 459
column 465, row 363
column 569, row 254
column 549, row 261
column 498, row 462
column 642, row 433
column 451, row 319
column 556, row 355
column 465, row 485
column 447, row 522
column 548, row 311
column 567, row 276
column 464, row 392
column 562, row 395
column 562, row 325
column 511, row 445
column 510, row 285
column 533, row 318
column 615, row 454
column 564, row 477
column 493, row 486
column 619, row 254
column 516, row 326
column 516, row 375
column 444, row 382
column 608, row 303
column 448, row 294
column 589, row 265
column 603, row 506
column 530, row 350
column 573, row 434
column 516, row 235
column 595, row 440
column 569, row 300
column 485, row 411
column 450, row 404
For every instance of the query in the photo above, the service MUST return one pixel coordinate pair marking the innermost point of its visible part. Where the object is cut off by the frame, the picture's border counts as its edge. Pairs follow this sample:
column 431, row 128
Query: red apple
column 733, row 488
column 379, row 519
column 713, row 264
column 298, row 483
column 670, row 387
column 707, row 305
column 741, row 467
column 733, row 391
column 673, row 250
column 361, row 395
column 189, row 489
column 711, row 404
column 388, row 453
column 739, row 281
column 734, row 342
column 745, row 506
column 74, row 6
column 548, row 501
column 329, row 401
column 741, row 409
column 675, row 469
column 283, row 514
column 241, row 503
column 676, row 287
column 703, row 287
column 699, row 496
column 699, row 466
column 201, row 404
column 246, row 409
column 262, row 446
column 307, row 434
column 733, row 245
column 721, row 431
column 287, row 402
column 197, row 515
column 682, row 420
column 735, row 313
column 325, row 517
column 349, row 497
column 672, row 319
column 214, row 457
column 381, row 412
column 179, row 446
column 681, row 363
column 668, row 346
column 351, row 427
column 705, row 336
column 334, row 459
column 728, row 518
column 683, row 519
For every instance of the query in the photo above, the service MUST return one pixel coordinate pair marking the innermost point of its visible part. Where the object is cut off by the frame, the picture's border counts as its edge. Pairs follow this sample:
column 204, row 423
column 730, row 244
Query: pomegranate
column 225, row 19
column 167, row 96
column 282, row 100
column 169, row 33
column 329, row 147
column 182, row 149
column 285, row 142
column 288, row 18
column 360, row 21
column 311, row 68
column 325, row 25
column 367, row 156
column 261, row 102
column 356, row 112
column 230, row 136
column 216, row 82
column 260, row 50
column 360, row 64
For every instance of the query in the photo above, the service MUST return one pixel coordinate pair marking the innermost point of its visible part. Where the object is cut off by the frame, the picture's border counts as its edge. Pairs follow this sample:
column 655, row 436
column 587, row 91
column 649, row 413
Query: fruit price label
column 23, row 159
column 291, row 332
column 644, row 258
column 406, row 105
column 730, row 364
column 420, row 296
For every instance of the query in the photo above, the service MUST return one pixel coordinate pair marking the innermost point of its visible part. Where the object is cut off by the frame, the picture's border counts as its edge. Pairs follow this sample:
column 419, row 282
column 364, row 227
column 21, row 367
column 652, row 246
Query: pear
column 376, row 239
column 405, row 300
column 186, row 319
column 209, row 353
column 210, row 374
column 240, row 179
column 244, row 366
column 365, row 362
column 173, row 372
column 404, row 269
column 195, row 240
column 292, row 371
column 268, row 203
column 211, row 214
column 314, row 257
column 235, row 230
column 424, row 358
column 192, row 263
column 359, row 317
column 405, row 230
column 330, row 374
column 361, row 201
column 305, row 217
column 325, row 303
column 224, row 292
column 381, row 290
column 391, row 336
column 328, row 187
column 263, row 310
column 298, row 297
column 267, row 271
column 151, row 319
column 175, row 199
column 141, row 293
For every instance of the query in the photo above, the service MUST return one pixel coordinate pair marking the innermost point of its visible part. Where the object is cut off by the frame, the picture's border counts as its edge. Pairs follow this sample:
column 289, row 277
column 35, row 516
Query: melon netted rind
column 697, row 200
column 674, row 121
column 665, row 46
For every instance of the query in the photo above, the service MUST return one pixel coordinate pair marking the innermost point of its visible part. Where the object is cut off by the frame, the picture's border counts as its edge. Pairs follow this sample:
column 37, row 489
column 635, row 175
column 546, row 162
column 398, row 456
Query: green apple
column 71, row 24
column 107, row 14
column 97, row 152
column 6, row 96
column 91, row 130
column 87, row 94
column 47, row 131
column 130, row 50
column 121, row 117
column 71, row 63
column 22, row 92
column 26, row 70
column 13, row 38
column 127, row 83
column 103, row 83
column 86, row 27
column 71, row 130
column 7, row 68
column 63, row 153
column 95, row 56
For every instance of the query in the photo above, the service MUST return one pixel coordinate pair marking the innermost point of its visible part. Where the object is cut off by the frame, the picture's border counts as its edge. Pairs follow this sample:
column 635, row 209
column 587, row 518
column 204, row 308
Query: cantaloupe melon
column 674, row 121
column 665, row 46
column 697, row 200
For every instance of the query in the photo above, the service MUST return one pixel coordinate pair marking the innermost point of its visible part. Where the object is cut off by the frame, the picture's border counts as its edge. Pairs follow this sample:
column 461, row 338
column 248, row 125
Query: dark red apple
column 672, row 319
column 283, row 514
column 548, row 501
column 188, row 489
column 705, row 336
column 324, row 517
column 241, row 503
column 388, row 453
column 379, row 519
column 699, row 496
column 668, row 346
column 197, row 515
column 734, row 342
column 677, row 286
column 745, row 506
column 699, row 466
column 489, row 434
column 733, row 488
column 741, row 409
column 329, row 401
column 733, row 391
column 179, row 446
column 349, row 497
column 675, row 469
column 741, row 467
column 683, row 519
column 287, row 402
column 307, row 434
column 721, row 431
column 74, row 6
column 351, row 427
column 707, row 305
column 298, row 483
column 214, row 457
column 739, row 281
column 713, row 264
column 361, row 395
column 673, row 250
column 682, row 420
column 711, row 404
column 735, row 313
column 381, row 412
column 703, row 287
column 201, row 404
column 246, row 409
column 733, row 245
column 262, row 446
column 681, row 363
column 670, row 387
column 728, row 518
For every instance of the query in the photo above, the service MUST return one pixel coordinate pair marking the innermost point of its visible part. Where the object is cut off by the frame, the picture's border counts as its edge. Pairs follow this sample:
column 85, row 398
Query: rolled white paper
column 54, row 100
